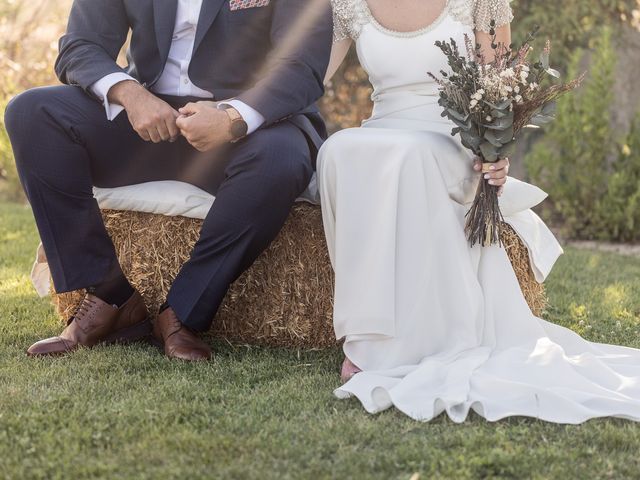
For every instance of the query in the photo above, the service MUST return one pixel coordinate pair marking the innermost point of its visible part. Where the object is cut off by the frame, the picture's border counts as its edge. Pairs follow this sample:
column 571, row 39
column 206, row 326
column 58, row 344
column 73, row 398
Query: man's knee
column 283, row 157
column 24, row 105
column 23, row 110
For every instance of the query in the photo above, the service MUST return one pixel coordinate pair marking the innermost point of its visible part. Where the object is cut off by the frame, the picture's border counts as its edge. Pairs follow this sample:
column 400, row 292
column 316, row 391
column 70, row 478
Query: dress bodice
column 350, row 16
column 398, row 63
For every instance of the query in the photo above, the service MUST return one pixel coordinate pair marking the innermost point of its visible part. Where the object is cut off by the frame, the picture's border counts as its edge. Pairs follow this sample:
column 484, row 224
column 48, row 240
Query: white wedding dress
column 437, row 326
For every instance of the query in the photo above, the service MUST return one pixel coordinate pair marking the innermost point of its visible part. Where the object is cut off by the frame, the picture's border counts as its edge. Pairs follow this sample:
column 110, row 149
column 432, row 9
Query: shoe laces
column 83, row 309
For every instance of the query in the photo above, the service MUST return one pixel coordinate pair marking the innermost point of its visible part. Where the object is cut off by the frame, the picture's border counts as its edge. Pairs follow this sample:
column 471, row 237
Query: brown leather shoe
column 95, row 322
column 177, row 340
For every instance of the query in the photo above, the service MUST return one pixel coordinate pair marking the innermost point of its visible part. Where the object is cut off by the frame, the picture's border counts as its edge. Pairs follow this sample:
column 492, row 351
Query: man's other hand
column 152, row 118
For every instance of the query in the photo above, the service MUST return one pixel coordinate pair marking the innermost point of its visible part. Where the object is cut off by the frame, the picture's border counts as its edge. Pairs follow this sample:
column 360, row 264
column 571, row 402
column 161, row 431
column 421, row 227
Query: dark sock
column 115, row 289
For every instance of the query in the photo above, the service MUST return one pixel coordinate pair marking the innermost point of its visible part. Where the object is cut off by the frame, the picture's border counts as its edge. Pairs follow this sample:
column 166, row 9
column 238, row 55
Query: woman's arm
column 338, row 54
column 484, row 39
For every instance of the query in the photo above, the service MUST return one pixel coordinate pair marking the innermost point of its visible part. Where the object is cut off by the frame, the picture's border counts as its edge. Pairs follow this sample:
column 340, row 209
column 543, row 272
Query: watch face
column 239, row 128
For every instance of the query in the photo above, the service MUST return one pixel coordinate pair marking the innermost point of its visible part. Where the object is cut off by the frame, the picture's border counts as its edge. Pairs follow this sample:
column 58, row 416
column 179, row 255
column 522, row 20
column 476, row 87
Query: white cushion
column 171, row 198
column 166, row 198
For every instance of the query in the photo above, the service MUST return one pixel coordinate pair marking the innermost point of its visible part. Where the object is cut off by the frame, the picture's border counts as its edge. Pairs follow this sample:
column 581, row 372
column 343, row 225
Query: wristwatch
column 239, row 127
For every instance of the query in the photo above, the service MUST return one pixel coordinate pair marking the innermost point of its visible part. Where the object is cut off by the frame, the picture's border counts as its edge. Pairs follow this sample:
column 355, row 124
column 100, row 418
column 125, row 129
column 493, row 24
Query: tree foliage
column 590, row 170
column 28, row 33
column 570, row 24
column 620, row 209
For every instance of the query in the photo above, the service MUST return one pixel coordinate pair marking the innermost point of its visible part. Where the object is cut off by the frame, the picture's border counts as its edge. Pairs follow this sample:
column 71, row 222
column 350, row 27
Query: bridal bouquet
column 490, row 103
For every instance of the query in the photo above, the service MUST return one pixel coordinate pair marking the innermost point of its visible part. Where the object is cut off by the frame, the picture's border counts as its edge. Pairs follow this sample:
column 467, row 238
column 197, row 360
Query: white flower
column 507, row 73
column 508, row 88
column 518, row 98
column 489, row 118
column 516, row 89
column 473, row 103
column 533, row 86
column 481, row 92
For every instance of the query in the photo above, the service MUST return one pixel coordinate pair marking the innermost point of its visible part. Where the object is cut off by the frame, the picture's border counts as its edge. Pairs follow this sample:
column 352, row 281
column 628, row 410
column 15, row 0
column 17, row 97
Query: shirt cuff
column 252, row 117
column 101, row 90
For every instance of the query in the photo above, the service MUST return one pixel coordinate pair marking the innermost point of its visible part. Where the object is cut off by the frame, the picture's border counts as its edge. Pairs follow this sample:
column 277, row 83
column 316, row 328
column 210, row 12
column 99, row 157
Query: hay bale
column 284, row 299
column 533, row 291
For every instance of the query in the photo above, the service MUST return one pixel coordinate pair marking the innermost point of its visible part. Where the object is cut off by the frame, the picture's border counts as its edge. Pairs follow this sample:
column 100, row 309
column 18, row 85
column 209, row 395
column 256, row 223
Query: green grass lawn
column 127, row 412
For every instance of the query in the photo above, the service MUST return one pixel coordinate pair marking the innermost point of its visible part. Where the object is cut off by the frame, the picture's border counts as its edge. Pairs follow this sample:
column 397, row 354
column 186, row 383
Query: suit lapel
column 209, row 12
column 164, row 15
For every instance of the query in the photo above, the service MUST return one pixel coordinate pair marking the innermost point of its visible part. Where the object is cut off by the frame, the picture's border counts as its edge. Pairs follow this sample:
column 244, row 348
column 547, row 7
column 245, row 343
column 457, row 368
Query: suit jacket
column 273, row 58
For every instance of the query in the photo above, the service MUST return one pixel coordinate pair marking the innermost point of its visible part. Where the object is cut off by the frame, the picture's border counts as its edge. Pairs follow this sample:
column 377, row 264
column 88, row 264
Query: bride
column 431, row 325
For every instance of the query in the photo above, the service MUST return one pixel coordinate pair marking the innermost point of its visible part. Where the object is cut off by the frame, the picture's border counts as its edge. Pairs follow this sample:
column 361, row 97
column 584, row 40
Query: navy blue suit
column 64, row 144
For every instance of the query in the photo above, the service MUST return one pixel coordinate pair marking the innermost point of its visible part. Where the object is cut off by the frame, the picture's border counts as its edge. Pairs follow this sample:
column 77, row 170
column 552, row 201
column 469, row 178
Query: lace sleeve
column 488, row 10
column 348, row 18
column 340, row 20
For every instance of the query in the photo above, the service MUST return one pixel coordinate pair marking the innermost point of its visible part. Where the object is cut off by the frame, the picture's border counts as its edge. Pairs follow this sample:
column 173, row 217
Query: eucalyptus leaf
column 507, row 149
column 505, row 136
column 489, row 152
column 544, row 59
column 504, row 105
column 470, row 140
column 549, row 109
column 501, row 123
column 466, row 126
column 553, row 72
column 490, row 137
column 457, row 115
column 541, row 120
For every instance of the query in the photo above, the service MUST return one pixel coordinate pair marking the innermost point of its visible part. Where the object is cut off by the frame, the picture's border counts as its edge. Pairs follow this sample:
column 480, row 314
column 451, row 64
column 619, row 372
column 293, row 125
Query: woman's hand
column 498, row 174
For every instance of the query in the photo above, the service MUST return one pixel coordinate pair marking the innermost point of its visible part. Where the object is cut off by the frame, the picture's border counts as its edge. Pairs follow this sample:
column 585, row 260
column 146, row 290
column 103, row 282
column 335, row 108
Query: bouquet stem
column 484, row 219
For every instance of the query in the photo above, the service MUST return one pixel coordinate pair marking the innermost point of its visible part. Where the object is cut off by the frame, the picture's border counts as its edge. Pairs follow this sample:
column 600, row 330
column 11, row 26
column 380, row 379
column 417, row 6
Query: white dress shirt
column 174, row 79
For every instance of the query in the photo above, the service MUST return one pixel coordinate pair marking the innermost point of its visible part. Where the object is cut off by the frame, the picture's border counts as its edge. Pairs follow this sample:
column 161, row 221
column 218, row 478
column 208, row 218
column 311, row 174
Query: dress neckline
column 408, row 34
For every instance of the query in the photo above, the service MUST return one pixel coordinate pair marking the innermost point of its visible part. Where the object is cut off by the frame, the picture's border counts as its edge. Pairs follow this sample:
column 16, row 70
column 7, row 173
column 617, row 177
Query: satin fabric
column 437, row 326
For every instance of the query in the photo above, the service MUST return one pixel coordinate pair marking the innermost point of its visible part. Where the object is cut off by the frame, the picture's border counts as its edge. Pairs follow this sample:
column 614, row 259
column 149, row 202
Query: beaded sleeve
column 486, row 11
column 348, row 18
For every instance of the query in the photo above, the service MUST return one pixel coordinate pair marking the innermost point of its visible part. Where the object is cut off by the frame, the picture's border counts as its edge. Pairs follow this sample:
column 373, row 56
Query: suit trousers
column 64, row 145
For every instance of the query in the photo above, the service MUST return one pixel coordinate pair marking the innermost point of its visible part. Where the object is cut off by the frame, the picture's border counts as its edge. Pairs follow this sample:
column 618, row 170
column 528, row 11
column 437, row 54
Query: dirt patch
column 632, row 250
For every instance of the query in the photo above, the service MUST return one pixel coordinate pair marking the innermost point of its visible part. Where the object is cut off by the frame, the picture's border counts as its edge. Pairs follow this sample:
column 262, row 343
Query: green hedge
column 570, row 24
column 590, row 170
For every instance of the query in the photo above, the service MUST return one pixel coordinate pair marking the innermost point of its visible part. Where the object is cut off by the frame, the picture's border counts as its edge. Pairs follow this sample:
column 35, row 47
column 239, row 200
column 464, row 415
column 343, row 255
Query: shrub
column 573, row 24
column 572, row 161
column 620, row 209
column 590, row 170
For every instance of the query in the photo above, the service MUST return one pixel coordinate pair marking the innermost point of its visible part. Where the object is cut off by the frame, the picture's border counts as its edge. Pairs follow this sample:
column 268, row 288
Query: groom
column 217, row 93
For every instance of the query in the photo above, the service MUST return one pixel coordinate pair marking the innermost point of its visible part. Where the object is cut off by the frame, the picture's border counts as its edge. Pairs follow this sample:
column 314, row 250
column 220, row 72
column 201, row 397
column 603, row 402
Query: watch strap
column 237, row 121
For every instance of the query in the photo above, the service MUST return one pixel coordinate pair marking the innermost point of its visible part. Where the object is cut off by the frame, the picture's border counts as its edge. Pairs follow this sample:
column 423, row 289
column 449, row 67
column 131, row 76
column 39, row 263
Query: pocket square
column 242, row 4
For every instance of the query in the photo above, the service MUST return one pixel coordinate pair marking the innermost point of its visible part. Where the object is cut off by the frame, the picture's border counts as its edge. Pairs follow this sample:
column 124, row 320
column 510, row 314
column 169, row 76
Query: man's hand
column 204, row 126
column 152, row 118
column 498, row 174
